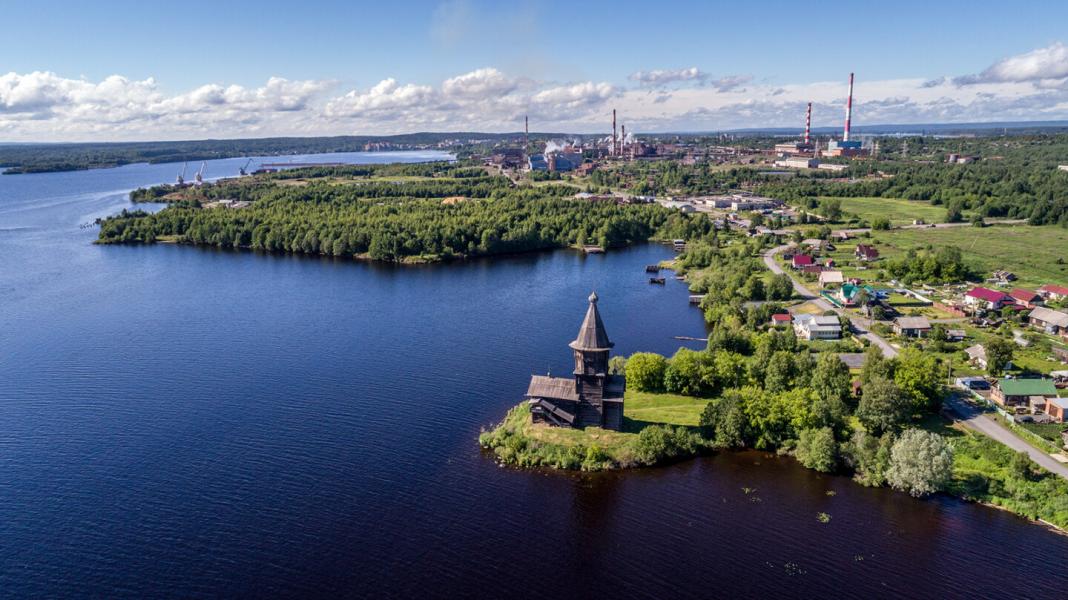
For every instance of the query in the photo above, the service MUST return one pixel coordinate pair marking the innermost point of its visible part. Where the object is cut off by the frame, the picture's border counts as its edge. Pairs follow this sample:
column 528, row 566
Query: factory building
column 846, row 147
column 804, row 146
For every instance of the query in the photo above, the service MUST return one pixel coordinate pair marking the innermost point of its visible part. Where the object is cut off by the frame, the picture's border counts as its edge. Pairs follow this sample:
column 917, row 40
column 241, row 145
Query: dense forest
column 39, row 158
column 429, row 219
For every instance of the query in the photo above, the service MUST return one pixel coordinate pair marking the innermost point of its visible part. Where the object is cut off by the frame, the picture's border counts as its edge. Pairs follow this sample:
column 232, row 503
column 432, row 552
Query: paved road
column 975, row 420
column 860, row 326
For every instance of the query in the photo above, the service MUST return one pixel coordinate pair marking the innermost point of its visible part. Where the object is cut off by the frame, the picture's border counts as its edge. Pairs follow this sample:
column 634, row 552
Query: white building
column 817, row 327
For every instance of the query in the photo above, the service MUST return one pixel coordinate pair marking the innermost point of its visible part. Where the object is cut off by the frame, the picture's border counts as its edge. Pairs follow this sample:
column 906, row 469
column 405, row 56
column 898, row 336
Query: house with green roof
column 847, row 294
column 1021, row 392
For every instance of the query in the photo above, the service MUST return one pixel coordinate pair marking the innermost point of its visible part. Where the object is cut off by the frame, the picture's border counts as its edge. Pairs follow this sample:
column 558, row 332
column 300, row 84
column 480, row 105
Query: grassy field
column 519, row 442
column 1029, row 252
column 642, row 408
column 900, row 212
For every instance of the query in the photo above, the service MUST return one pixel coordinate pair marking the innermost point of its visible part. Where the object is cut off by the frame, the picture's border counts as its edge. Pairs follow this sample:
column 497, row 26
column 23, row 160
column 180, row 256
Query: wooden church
column 593, row 398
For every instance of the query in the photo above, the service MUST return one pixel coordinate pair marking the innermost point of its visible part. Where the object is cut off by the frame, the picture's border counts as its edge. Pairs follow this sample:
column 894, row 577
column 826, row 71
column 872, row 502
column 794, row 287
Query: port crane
column 199, row 179
column 244, row 170
column 181, row 176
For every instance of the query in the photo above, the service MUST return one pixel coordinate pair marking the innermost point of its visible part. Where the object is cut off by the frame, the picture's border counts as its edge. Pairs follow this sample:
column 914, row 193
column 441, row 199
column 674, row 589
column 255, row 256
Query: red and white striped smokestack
column 849, row 110
column 614, row 146
column 808, row 123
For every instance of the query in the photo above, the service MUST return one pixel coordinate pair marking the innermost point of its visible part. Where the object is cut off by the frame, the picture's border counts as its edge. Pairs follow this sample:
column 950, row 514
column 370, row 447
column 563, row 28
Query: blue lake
column 185, row 422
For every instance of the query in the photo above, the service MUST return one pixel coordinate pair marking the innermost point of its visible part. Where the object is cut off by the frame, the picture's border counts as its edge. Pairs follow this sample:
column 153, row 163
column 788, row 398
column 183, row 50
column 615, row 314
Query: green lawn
column 1029, row 252
column 669, row 409
column 900, row 212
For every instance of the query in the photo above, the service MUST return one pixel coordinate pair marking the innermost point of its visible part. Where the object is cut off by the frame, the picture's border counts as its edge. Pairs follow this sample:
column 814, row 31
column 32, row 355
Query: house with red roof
column 803, row 260
column 866, row 252
column 1026, row 298
column 781, row 320
column 986, row 299
column 1053, row 292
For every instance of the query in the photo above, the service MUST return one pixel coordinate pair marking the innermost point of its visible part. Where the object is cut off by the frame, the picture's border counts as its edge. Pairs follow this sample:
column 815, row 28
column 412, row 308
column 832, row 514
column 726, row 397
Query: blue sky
column 264, row 68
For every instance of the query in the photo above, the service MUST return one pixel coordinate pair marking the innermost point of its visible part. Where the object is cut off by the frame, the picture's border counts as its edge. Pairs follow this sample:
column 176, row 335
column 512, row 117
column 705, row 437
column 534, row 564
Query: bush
column 921, row 463
column 816, row 449
column 659, row 443
column 645, row 372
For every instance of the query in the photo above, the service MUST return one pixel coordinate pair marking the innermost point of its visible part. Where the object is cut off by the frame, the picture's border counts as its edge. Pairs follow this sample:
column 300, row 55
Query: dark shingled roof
column 556, row 388
column 591, row 335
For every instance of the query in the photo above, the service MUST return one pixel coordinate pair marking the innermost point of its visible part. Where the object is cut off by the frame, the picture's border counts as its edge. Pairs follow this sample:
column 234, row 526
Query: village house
column 1051, row 321
column 865, row 252
column 812, row 269
column 986, row 299
column 817, row 327
column 828, row 278
column 917, row 327
column 781, row 319
column 1057, row 409
column 976, row 356
column 1020, row 392
column 1053, row 292
column 802, row 260
column 593, row 397
column 849, row 292
column 1060, row 354
column 1026, row 297
column 956, row 335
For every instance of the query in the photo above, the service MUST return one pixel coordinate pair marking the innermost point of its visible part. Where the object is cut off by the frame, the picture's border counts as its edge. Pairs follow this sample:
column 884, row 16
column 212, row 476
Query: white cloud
column 43, row 106
column 1041, row 64
column 479, row 83
column 665, row 76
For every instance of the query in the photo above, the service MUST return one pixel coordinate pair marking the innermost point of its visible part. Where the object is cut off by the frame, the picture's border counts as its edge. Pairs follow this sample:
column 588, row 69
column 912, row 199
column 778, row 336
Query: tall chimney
column 614, row 145
column 622, row 138
column 808, row 123
column 849, row 110
column 526, row 129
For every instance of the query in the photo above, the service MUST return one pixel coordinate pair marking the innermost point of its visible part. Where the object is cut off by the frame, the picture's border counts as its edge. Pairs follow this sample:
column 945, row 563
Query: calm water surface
column 184, row 422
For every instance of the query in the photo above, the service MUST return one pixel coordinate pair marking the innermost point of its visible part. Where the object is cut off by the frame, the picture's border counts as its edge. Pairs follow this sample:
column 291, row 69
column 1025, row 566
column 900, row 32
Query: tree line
column 396, row 221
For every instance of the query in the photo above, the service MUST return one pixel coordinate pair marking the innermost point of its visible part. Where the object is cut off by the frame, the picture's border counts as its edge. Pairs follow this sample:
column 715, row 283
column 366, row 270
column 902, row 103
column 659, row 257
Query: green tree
column 645, row 372
column 724, row 422
column 816, row 449
column 782, row 372
column 880, row 223
column 876, row 365
column 617, row 365
column 919, row 377
column 831, row 378
column 730, row 369
column 883, row 407
column 921, row 463
column 999, row 353
column 690, row 373
column 869, row 456
column 780, row 287
column 831, row 208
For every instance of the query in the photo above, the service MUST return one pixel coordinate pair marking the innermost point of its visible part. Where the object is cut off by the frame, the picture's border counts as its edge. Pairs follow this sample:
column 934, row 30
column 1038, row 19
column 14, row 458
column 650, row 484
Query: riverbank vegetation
column 658, row 428
column 453, row 214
